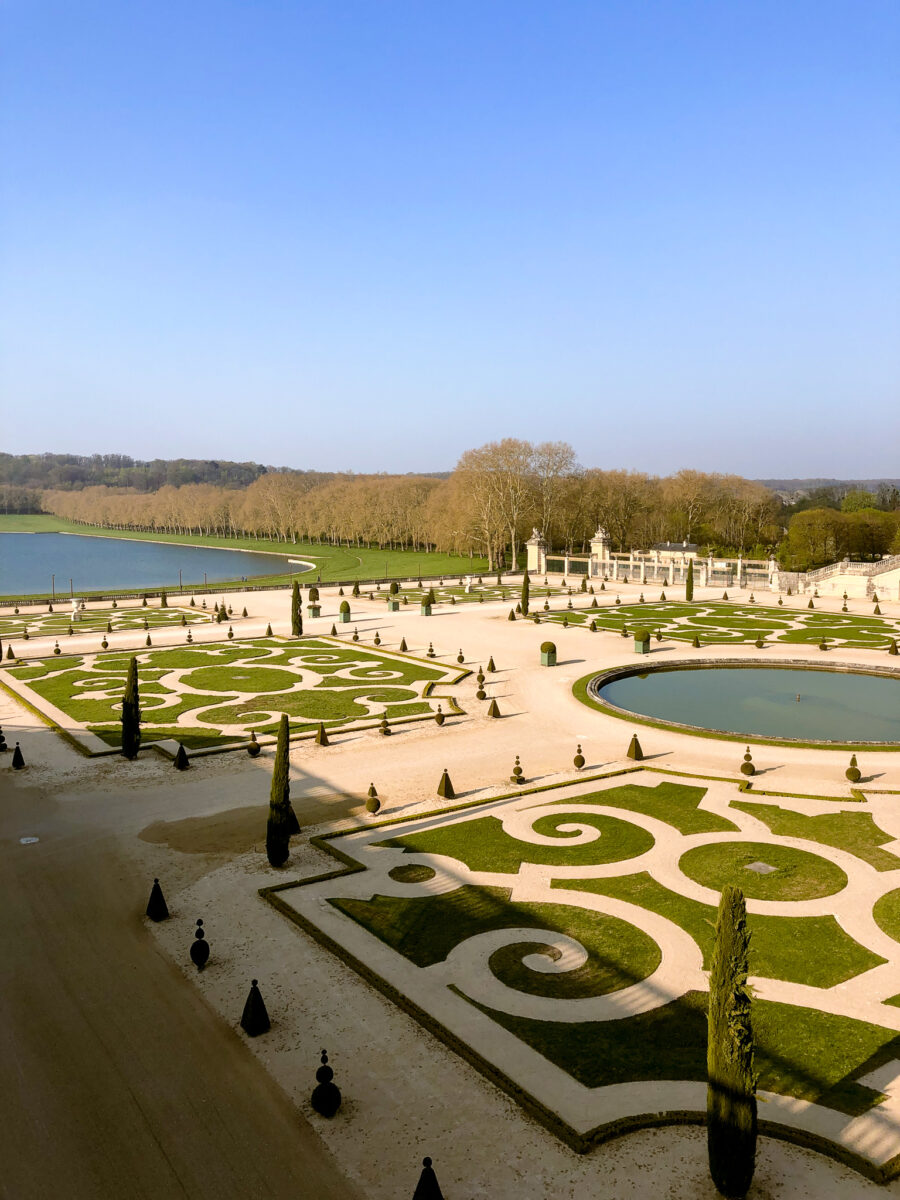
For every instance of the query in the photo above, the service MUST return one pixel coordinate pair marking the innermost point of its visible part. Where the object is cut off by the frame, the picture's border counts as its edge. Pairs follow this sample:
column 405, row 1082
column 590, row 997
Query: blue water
column 833, row 706
column 29, row 560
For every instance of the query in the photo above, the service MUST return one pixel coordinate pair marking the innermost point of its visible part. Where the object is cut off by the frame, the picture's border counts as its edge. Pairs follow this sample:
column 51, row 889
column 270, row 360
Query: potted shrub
column 344, row 612
column 548, row 654
column 313, row 607
column 642, row 641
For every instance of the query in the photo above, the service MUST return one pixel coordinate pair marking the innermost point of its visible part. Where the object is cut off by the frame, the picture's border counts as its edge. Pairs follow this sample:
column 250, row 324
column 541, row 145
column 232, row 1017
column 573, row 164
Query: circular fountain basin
column 791, row 703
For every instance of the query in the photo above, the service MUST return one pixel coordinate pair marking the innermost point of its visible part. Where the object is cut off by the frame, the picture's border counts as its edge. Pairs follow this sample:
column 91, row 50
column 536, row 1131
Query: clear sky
column 368, row 236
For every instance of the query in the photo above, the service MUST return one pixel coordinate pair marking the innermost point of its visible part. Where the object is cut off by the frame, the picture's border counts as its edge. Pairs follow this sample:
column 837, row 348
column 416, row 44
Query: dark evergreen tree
column 157, row 909
column 131, row 713
column 296, row 619
column 689, row 582
column 526, row 590
column 731, row 1081
column 282, row 822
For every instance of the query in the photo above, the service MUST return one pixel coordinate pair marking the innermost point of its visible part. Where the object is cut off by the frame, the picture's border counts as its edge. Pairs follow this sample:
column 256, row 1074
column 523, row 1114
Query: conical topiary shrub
column 731, row 1079
column 877, row 611
column 428, row 1187
column 244, row 611
column 892, row 648
column 181, row 761
column 18, row 758
column 355, row 591
column 255, row 1017
column 10, row 654
column 747, row 767
column 493, row 709
column 490, row 664
column 148, row 642
column 512, row 615
column 326, row 1097
column 445, row 787
column 334, row 631
column 853, row 772
column 183, row 623
column 296, row 617
column 268, row 631
column 634, row 750
column 157, row 909
column 810, row 605
column 403, row 645
column 695, row 642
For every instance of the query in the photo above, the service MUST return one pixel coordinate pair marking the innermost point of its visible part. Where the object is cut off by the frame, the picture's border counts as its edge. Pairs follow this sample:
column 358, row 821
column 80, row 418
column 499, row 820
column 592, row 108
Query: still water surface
column 29, row 560
column 767, row 702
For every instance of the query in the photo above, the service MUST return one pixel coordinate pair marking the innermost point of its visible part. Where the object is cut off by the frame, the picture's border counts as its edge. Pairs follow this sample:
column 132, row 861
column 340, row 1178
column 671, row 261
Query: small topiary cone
column 268, row 631
column 255, row 1018
column 602, row 587
column 439, row 717
column 144, row 602
column 578, row 760
column 810, row 605
column 512, row 615
column 428, row 1187
column 244, row 611
column 634, row 750
column 181, row 761
column 183, row 620
column 157, row 909
column 662, row 596
column 18, row 758
column 321, row 735
column 11, row 655
column 892, row 647
column 148, row 642
column 146, row 623
column 49, row 608
column 877, row 611
column 747, row 767
column 70, row 631
column 445, row 787
column 875, row 597
column 490, row 664
column 253, row 746
column 334, row 631
column 199, row 947
column 193, row 602
column 326, row 1096
column 403, row 645
column 493, row 709
column 724, row 595
column 853, row 772
column 696, row 642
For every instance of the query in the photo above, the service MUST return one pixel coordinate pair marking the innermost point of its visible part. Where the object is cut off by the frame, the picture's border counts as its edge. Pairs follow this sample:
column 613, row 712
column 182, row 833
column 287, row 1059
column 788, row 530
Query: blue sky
column 368, row 236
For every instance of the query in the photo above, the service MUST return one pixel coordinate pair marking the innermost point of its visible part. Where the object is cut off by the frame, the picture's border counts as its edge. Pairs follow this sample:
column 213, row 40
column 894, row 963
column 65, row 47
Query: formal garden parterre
column 560, row 939
column 99, row 620
column 216, row 695
column 728, row 623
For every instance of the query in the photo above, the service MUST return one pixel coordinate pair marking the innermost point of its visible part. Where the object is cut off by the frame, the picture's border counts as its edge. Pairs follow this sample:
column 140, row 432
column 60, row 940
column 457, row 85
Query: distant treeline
column 71, row 472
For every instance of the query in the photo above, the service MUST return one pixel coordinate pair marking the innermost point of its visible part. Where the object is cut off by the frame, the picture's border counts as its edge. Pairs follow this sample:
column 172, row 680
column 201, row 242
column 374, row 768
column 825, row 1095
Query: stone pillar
column 536, row 553
column 566, row 566
column 704, row 576
column 615, row 570
column 643, row 570
column 740, row 571
column 671, row 579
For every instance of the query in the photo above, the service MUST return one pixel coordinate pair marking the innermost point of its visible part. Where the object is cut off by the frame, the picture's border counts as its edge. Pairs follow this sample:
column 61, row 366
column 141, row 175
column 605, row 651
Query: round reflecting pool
column 791, row 703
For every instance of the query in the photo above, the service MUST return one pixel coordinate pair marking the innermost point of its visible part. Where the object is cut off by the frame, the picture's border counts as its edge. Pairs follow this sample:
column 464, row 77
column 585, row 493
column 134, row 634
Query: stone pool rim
column 586, row 688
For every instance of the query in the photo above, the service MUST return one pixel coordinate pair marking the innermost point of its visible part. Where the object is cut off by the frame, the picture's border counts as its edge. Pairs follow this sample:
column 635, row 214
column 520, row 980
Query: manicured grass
column 799, row 1051
column 856, row 833
column 673, row 803
column 799, row 874
column 810, row 950
column 887, row 913
column 482, row 844
column 58, row 623
column 426, row 930
column 244, row 685
column 724, row 622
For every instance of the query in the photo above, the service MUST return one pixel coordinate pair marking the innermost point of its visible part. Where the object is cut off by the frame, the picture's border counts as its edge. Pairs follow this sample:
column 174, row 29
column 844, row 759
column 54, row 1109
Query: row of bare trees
column 487, row 506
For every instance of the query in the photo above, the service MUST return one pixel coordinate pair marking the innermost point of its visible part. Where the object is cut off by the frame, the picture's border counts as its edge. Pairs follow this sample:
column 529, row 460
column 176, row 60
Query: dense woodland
column 488, row 506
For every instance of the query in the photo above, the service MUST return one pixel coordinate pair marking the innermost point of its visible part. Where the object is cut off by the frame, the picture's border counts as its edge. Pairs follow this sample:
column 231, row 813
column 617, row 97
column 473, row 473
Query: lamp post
column 53, row 585
column 180, row 588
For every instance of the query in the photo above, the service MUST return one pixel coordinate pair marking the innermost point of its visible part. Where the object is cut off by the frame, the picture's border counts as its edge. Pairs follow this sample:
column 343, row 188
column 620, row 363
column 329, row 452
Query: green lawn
column 98, row 620
column 212, row 695
column 717, row 623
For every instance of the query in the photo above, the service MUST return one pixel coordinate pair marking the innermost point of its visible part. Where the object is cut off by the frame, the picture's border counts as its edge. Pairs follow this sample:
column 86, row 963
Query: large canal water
column 29, row 561
column 771, row 702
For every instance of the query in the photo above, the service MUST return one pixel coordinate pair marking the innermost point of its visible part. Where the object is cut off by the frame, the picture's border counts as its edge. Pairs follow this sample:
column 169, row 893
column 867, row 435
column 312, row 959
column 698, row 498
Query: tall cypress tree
column 689, row 582
column 296, row 619
column 131, row 713
column 731, row 1081
column 526, row 589
column 282, row 821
